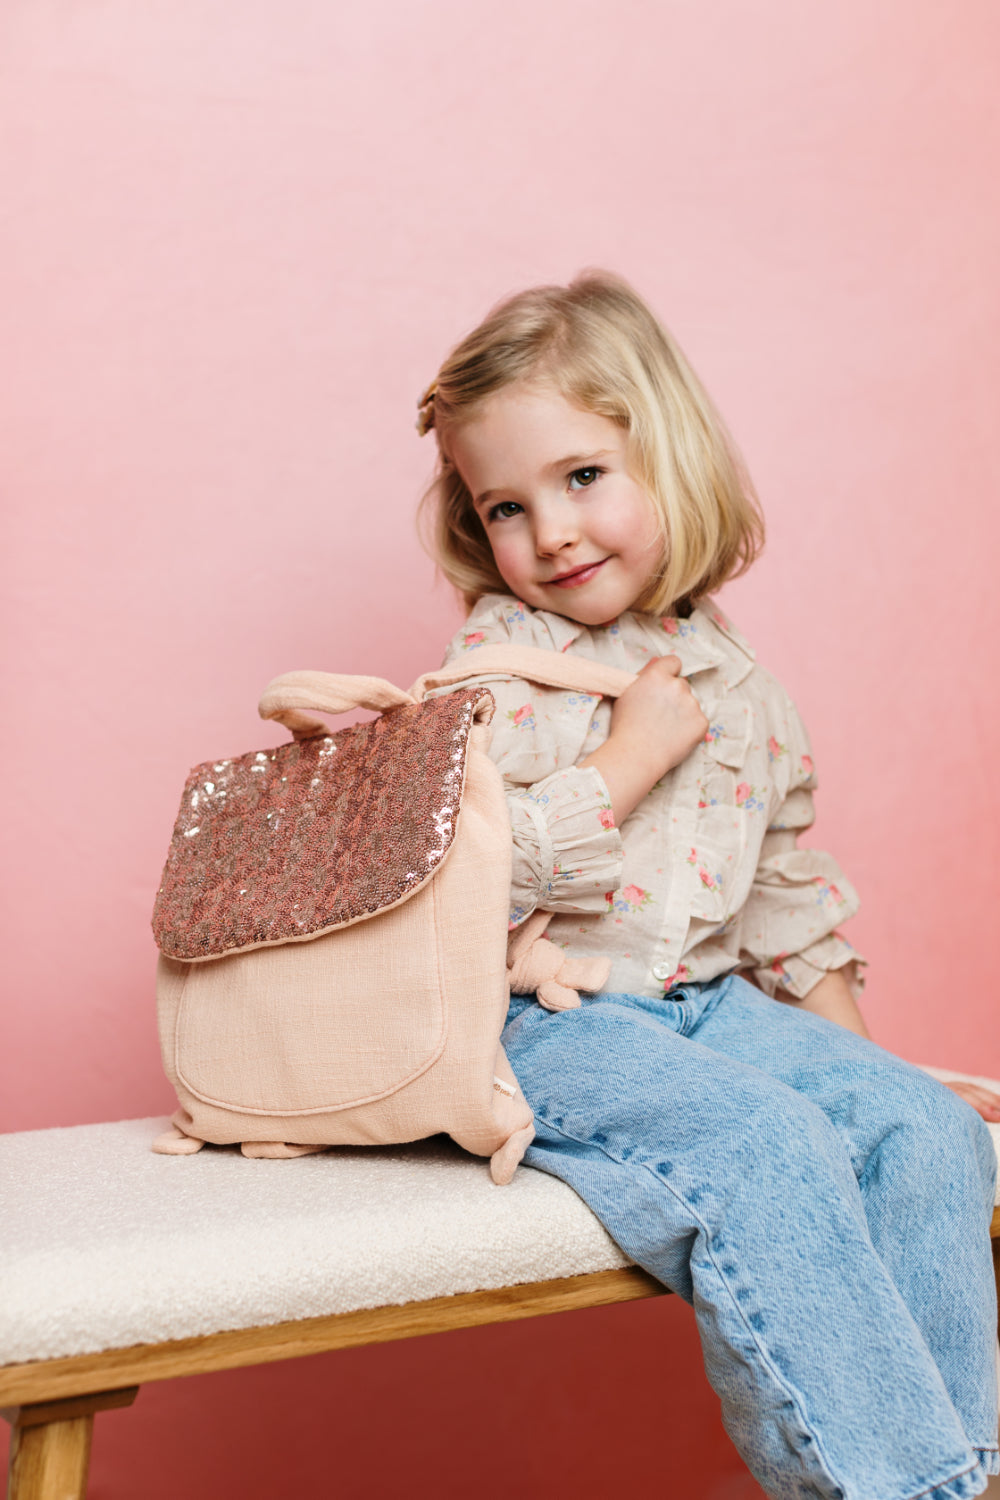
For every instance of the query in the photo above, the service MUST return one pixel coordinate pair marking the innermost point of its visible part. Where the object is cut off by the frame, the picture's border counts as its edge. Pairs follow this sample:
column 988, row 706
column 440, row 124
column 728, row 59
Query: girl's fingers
column 671, row 663
column 984, row 1101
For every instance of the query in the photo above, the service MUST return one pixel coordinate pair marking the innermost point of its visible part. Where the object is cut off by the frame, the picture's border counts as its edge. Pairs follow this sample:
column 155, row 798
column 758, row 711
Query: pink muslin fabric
column 333, row 927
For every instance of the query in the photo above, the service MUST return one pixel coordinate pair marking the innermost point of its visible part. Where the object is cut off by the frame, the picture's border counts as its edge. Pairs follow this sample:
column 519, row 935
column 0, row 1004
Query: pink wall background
column 237, row 241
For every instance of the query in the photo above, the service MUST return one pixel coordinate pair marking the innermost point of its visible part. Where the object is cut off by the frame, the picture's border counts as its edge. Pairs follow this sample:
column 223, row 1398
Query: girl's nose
column 556, row 527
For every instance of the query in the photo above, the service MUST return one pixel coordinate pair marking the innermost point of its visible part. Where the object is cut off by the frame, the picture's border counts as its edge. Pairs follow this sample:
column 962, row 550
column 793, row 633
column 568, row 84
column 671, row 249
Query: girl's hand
column 655, row 724
column 658, row 718
column 983, row 1101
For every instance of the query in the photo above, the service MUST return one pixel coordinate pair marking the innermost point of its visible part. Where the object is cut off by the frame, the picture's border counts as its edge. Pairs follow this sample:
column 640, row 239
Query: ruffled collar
column 704, row 641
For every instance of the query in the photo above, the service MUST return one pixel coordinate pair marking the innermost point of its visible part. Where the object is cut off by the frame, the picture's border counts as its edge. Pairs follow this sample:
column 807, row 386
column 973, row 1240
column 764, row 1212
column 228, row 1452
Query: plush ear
column 556, row 996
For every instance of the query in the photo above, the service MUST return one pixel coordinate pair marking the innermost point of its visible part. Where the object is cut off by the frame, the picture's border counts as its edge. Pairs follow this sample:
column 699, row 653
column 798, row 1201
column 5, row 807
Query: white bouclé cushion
column 104, row 1244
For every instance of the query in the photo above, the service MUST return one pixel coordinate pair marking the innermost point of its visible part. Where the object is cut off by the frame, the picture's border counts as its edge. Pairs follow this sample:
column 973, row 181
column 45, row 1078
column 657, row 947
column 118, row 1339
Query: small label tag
column 503, row 1087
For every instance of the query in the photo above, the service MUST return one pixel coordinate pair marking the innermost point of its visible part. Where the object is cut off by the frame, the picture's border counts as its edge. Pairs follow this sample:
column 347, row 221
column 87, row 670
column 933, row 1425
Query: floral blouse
column 705, row 876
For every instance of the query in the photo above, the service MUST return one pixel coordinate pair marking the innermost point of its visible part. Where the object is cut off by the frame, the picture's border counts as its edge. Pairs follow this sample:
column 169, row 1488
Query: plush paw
column 174, row 1142
column 588, row 974
column 277, row 1150
column 536, row 965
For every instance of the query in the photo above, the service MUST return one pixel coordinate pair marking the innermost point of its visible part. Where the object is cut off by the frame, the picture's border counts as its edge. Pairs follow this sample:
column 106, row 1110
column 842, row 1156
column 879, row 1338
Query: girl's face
column 571, row 530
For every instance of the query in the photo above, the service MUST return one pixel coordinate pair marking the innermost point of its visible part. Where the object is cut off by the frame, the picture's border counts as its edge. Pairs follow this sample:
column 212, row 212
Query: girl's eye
column 580, row 479
column 503, row 511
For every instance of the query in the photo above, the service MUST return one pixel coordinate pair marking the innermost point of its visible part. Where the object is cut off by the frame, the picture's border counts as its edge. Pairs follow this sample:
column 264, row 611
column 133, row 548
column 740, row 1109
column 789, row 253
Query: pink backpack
column 332, row 924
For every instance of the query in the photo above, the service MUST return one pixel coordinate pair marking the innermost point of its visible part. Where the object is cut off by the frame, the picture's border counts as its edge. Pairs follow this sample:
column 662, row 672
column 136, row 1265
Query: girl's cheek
column 501, row 549
column 509, row 566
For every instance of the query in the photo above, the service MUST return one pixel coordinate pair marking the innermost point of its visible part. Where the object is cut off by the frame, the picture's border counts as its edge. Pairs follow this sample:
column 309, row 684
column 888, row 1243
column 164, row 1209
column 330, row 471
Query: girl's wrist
column 628, row 774
column 641, row 753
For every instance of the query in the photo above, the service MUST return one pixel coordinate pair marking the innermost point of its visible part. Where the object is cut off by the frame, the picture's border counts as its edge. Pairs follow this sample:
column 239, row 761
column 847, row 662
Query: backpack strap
column 296, row 698
column 559, row 669
column 533, row 963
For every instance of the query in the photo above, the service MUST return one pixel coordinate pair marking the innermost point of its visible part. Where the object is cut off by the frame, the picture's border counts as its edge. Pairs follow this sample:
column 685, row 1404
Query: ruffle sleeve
column 799, row 896
column 567, row 850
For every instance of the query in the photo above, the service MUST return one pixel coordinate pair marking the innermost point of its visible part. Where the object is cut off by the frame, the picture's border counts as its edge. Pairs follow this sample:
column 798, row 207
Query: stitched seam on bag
column 280, row 1113
column 177, row 1023
column 793, row 1394
column 436, row 917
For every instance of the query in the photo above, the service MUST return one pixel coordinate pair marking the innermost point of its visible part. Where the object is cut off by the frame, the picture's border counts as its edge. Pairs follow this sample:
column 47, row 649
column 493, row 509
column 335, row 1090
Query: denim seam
column 793, row 1395
column 940, row 1484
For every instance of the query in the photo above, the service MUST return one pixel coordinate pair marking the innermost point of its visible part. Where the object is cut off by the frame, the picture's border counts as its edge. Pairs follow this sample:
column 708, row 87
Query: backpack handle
column 295, row 698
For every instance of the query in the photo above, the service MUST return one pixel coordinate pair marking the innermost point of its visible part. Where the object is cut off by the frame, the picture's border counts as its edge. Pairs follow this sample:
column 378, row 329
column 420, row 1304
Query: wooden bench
column 120, row 1267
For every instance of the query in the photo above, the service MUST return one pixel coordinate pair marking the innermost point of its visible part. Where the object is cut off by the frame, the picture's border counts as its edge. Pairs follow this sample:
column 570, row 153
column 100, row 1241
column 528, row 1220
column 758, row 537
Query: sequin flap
column 288, row 843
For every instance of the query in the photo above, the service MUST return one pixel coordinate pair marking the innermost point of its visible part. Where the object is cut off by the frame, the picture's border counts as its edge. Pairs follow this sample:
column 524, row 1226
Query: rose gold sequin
column 287, row 843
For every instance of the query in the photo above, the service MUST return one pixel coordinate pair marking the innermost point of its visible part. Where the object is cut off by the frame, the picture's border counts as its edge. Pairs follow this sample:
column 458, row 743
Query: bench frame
column 51, row 1403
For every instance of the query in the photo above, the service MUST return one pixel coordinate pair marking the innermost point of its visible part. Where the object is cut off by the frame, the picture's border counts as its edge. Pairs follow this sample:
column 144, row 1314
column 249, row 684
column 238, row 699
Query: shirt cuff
column 795, row 974
column 567, row 851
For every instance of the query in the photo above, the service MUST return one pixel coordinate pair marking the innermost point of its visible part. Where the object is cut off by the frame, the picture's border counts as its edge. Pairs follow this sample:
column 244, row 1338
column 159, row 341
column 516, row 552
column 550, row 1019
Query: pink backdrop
column 237, row 241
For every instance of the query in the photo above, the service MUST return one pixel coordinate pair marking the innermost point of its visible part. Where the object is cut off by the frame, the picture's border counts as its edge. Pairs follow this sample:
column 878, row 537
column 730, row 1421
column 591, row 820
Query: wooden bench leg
column 50, row 1445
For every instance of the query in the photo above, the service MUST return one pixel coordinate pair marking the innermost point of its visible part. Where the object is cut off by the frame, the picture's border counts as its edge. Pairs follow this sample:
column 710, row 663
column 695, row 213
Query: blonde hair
column 601, row 347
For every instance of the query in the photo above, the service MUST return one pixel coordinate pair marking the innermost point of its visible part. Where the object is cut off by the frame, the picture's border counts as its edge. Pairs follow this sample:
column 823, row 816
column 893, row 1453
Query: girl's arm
column 832, row 999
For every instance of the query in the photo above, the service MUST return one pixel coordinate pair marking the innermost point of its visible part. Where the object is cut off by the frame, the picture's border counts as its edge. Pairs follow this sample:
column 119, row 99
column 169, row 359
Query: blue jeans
column 823, row 1205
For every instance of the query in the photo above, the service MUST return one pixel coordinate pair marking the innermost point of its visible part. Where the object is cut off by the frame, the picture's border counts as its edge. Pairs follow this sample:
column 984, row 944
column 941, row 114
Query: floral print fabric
column 706, row 875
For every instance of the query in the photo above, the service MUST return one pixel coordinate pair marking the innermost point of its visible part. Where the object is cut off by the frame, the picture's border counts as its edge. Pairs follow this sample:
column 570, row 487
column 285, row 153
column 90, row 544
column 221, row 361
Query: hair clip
column 425, row 409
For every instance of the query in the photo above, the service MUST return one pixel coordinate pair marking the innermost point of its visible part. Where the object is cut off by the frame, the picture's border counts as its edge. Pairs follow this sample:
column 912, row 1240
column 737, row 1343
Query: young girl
column 823, row 1205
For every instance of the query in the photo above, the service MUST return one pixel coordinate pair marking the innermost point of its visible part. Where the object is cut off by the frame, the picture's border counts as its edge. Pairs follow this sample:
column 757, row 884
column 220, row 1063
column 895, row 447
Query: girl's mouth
column 578, row 576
